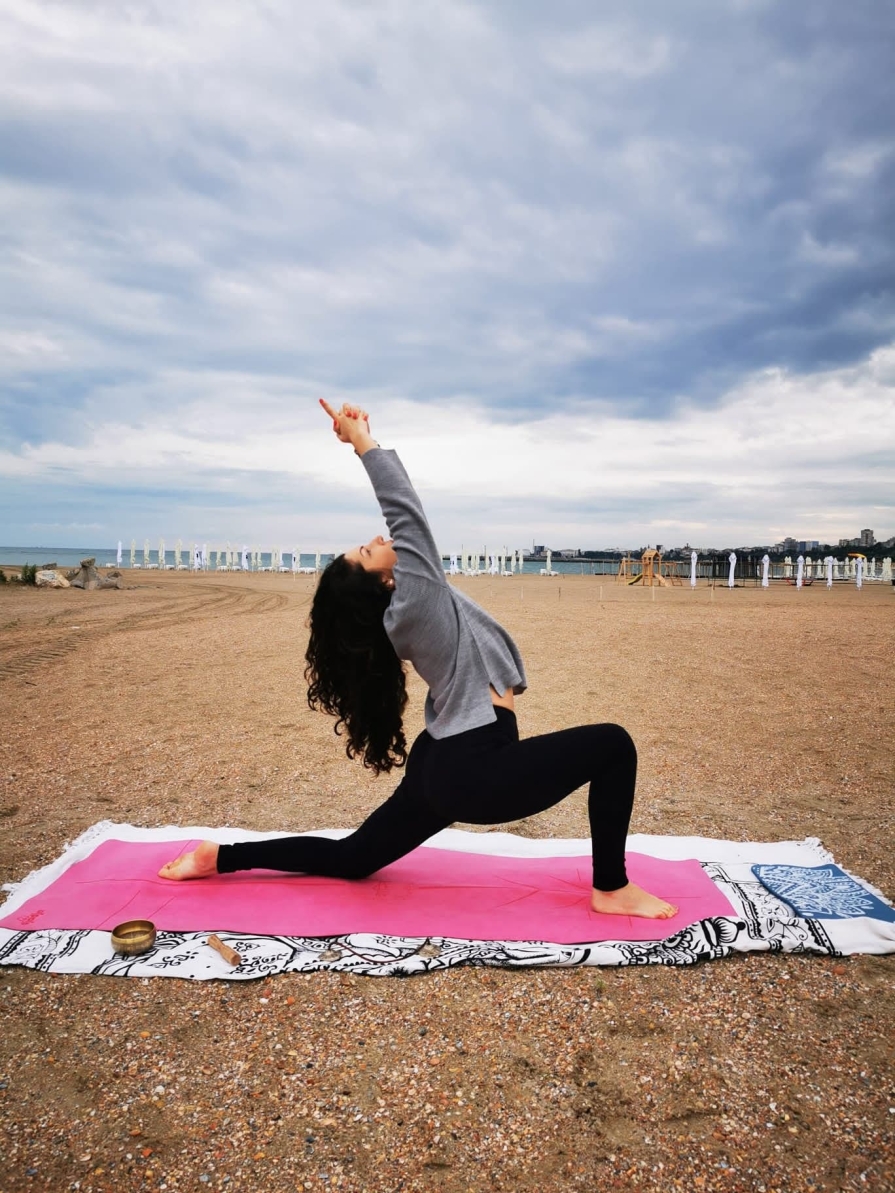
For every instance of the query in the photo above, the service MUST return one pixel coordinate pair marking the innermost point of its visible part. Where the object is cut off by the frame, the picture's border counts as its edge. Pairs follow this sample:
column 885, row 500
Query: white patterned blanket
column 788, row 897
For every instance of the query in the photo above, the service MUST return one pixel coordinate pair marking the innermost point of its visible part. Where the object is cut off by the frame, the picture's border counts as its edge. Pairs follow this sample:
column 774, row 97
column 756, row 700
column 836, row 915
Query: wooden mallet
column 229, row 955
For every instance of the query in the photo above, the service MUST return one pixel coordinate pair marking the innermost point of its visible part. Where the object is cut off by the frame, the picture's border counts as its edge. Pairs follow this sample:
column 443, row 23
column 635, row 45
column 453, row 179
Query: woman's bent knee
column 617, row 741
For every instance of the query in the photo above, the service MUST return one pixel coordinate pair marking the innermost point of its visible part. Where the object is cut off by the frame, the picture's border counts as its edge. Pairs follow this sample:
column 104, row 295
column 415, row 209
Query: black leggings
column 484, row 776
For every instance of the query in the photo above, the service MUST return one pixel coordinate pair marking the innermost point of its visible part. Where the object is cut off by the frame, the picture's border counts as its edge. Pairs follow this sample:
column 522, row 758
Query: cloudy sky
column 605, row 273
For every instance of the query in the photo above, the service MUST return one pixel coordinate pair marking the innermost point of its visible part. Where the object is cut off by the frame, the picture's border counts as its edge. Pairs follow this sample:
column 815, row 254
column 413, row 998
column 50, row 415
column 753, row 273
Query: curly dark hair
column 352, row 669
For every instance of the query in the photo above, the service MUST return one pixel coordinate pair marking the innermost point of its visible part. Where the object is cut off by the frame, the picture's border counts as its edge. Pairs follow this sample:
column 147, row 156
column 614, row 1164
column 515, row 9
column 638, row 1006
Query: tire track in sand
column 213, row 601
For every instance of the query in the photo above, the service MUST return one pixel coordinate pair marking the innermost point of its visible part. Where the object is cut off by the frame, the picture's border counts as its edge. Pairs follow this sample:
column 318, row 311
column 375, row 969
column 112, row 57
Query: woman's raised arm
column 401, row 507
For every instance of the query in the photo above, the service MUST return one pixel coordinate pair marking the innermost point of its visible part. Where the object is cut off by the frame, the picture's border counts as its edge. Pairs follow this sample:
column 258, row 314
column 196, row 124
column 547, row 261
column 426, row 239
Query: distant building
column 867, row 539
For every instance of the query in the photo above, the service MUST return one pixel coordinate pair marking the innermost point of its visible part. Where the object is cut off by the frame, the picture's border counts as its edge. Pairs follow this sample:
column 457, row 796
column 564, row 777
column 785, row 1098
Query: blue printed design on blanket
column 822, row 893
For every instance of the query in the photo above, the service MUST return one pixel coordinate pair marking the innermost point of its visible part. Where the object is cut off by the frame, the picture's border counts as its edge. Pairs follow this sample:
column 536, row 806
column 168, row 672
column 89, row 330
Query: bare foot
column 199, row 863
column 631, row 900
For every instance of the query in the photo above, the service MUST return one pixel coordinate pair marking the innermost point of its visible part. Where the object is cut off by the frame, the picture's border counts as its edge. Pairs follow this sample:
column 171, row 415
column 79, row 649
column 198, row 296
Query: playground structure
column 652, row 571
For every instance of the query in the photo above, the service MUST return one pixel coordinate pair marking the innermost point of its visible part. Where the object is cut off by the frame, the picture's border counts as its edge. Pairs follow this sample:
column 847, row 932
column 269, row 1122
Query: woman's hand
column 351, row 425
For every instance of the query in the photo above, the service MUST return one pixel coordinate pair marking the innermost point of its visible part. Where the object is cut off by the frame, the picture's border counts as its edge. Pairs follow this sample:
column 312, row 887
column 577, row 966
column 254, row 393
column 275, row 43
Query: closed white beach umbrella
column 317, row 561
column 732, row 558
column 118, row 554
column 295, row 558
column 829, row 565
column 693, row 558
column 765, row 568
column 161, row 554
column 887, row 568
column 145, row 553
column 800, row 571
column 133, row 552
column 453, row 568
column 859, row 572
column 244, row 559
column 549, row 562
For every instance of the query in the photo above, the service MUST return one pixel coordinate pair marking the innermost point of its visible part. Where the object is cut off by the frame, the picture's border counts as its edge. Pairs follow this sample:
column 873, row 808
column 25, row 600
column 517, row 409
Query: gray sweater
column 457, row 648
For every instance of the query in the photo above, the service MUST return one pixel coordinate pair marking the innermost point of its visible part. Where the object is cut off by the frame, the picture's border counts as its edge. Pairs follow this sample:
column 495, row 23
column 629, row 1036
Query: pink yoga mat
column 430, row 892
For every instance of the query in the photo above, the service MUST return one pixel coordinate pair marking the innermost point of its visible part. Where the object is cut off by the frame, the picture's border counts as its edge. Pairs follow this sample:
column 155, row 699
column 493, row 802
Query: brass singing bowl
column 133, row 937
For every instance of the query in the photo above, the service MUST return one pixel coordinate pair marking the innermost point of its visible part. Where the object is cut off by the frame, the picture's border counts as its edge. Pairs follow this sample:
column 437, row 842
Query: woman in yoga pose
column 389, row 600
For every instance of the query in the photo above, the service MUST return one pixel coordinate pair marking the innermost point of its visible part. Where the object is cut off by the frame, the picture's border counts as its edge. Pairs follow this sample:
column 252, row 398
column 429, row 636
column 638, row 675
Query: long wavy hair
column 352, row 670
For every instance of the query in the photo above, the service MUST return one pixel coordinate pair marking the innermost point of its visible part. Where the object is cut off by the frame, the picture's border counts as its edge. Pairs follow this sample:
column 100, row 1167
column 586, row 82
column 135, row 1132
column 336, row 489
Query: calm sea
column 70, row 557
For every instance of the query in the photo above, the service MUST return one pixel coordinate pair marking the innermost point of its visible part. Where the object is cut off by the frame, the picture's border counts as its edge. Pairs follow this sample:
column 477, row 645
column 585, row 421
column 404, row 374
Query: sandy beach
column 760, row 715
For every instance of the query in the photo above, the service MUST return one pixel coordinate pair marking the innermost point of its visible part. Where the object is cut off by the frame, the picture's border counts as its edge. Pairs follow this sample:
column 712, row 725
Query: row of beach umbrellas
column 855, row 568
column 229, row 558
column 223, row 559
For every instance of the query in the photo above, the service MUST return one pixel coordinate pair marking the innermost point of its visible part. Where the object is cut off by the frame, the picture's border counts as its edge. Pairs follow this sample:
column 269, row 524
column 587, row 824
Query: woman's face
column 377, row 555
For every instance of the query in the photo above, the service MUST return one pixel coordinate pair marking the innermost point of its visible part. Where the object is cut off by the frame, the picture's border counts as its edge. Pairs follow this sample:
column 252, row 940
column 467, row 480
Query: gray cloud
column 519, row 208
